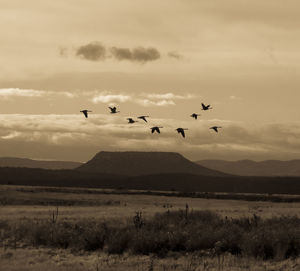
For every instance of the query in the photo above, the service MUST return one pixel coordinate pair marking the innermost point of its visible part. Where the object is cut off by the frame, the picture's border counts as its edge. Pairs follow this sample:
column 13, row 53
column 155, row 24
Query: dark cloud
column 139, row 54
column 93, row 51
column 96, row 52
column 175, row 55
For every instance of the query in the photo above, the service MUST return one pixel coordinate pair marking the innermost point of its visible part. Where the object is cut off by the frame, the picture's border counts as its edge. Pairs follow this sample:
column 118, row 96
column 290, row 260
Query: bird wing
column 215, row 128
column 195, row 116
column 143, row 118
column 157, row 129
column 152, row 130
column 182, row 132
column 85, row 113
column 203, row 105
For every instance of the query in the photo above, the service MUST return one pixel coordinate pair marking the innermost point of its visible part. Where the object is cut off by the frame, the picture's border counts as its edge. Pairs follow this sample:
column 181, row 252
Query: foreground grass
column 32, row 259
column 182, row 231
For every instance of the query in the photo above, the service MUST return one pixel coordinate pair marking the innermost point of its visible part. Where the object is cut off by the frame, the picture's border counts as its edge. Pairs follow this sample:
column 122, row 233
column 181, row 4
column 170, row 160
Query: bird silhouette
column 130, row 120
column 85, row 112
column 195, row 115
column 113, row 110
column 181, row 131
column 205, row 107
column 143, row 118
column 215, row 128
column 155, row 129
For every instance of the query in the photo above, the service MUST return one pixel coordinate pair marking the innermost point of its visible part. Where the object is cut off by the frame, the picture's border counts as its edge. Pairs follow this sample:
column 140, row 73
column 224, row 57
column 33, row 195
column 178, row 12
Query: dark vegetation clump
column 182, row 231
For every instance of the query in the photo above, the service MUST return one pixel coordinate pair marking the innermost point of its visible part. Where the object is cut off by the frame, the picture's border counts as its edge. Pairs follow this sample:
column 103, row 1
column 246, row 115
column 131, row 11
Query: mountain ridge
column 134, row 163
column 255, row 168
column 33, row 163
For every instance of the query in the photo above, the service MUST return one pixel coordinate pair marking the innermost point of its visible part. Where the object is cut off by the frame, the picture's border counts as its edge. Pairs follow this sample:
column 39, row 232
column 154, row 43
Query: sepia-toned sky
column 156, row 58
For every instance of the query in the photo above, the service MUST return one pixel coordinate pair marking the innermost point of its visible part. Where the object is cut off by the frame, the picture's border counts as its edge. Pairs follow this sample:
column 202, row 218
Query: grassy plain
column 34, row 203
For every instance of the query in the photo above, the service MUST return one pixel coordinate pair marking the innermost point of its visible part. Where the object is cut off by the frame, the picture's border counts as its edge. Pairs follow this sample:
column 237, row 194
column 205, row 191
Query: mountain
column 144, row 163
column 30, row 163
column 252, row 168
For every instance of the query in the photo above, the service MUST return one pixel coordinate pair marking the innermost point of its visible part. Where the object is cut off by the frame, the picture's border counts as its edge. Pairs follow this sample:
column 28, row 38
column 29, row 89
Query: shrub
column 118, row 241
column 176, row 231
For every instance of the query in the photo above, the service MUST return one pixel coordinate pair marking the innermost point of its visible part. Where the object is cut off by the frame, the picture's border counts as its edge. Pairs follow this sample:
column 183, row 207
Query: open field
column 35, row 202
column 74, row 218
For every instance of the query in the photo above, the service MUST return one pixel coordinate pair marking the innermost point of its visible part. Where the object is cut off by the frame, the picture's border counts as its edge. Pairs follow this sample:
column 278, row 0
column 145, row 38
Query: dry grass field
column 35, row 202
column 27, row 204
column 63, row 260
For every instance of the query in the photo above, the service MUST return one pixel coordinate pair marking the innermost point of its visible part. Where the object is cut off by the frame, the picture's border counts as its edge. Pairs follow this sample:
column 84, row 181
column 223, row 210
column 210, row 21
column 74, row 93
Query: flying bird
column 195, row 115
column 215, row 128
column 113, row 110
column 143, row 118
column 130, row 120
column 205, row 107
column 155, row 129
column 181, row 131
column 85, row 112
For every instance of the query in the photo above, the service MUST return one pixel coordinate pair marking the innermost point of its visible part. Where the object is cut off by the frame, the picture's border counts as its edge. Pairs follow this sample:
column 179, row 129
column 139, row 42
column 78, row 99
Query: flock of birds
column 113, row 110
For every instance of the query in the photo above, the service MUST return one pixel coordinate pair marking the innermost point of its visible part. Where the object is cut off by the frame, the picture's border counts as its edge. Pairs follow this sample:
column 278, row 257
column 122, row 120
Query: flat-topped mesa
column 144, row 163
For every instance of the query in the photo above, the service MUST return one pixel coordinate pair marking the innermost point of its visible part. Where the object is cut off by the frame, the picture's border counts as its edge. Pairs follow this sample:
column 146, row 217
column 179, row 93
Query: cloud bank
column 144, row 99
column 105, row 132
column 9, row 93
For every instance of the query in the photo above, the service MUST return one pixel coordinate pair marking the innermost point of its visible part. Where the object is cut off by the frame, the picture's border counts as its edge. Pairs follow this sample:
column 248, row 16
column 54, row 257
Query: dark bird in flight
column 85, row 112
column 181, row 131
column 205, row 107
column 155, row 129
column 195, row 115
column 113, row 110
column 215, row 128
column 130, row 120
column 143, row 118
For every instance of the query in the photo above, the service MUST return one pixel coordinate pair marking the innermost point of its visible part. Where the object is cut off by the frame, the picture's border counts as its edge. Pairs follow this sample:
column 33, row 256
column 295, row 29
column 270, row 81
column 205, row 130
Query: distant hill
column 252, row 168
column 30, row 163
column 144, row 163
column 160, row 182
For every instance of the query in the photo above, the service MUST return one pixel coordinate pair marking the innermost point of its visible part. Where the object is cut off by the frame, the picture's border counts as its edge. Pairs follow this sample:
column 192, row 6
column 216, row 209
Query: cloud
column 163, row 99
column 234, row 98
column 236, row 140
column 151, row 99
column 63, row 51
column 175, row 55
column 111, row 98
column 168, row 96
column 94, row 51
column 96, row 97
column 138, row 54
column 9, row 93
column 147, row 102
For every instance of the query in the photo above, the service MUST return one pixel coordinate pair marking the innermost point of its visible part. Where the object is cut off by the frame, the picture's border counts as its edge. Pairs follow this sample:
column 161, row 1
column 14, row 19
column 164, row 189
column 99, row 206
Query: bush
column 118, row 241
column 176, row 231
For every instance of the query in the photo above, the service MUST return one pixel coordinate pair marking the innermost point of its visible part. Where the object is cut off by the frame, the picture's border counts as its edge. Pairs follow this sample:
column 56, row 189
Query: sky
column 156, row 58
